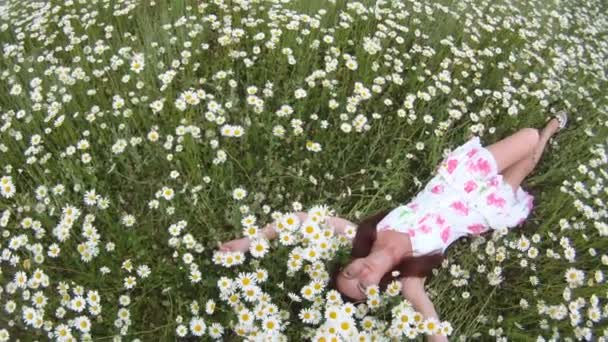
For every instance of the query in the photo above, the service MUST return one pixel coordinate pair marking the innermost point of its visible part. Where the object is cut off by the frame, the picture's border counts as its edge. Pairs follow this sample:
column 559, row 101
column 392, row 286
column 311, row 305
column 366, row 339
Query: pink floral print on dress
column 495, row 200
column 426, row 229
column 470, row 185
column 476, row 228
column 452, row 163
column 481, row 166
column 437, row 189
column 445, row 234
column 426, row 216
column 460, row 207
column 472, row 152
column 439, row 220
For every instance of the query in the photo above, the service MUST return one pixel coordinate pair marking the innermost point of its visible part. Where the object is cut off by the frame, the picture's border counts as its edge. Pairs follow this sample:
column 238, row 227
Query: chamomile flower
column 245, row 279
column 574, row 277
column 181, row 330
column 432, row 326
column 294, row 297
column 287, row 239
column 216, row 330
column 333, row 297
column 137, row 63
column 78, row 304
column 291, row 221
column 258, row 248
column 251, row 293
column 167, row 193
column 210, row 307
column 239, row 193
column 83, row 324
column 374, row 302
column 39, row 300
column 372, row 291
column 245, row 317
column 368, row 323
column 260, row 275
column 271, row 324
column 128, row 220
column 309, row 229
column 308, row 292
column 309, row 315
column 130, row 282
column 197, row 326
column 7, row 189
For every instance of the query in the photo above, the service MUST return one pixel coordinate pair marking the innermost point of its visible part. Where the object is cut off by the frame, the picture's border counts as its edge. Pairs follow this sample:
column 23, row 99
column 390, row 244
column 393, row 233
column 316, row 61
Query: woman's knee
column 530, row 136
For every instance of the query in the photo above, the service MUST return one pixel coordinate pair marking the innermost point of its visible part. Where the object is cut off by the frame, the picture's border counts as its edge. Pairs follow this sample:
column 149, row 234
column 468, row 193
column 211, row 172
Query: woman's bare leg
column 516, row 173
column 513, row 148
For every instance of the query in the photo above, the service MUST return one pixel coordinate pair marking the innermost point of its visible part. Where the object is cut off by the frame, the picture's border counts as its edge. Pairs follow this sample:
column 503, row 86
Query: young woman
column 476, row 189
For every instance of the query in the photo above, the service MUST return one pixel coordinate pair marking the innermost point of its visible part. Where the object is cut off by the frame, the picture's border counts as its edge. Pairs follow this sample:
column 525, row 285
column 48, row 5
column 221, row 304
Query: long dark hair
column 421, row 266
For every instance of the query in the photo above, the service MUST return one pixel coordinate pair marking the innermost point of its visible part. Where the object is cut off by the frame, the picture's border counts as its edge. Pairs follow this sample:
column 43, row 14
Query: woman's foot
column 550, row 128
column 556, row 123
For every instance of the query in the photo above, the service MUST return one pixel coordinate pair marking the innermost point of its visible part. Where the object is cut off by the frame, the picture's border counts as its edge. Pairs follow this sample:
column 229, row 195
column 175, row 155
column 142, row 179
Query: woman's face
column 356, row 277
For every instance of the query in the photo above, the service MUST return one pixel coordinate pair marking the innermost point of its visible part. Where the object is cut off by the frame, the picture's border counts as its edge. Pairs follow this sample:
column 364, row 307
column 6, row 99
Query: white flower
column 181, row 330
column 16, row 89
column 197, row 326
column 351, row 64
column 157, row 106
column 258, row 248
column 118, row 102
column 137, row 63
column 574, row 277
column 239, row 193
column 216, row 330
column 167, row 193
column 271, row 324
column 130, row 282
column 300, row 93
column 180, row 104
column 210, row 307
column 83, row 324
column 78, row 304
column 7, row 189
column 90, row 197
column 128, row 220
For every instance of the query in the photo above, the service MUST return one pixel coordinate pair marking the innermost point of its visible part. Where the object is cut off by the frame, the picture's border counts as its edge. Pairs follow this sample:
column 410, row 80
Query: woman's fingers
column 223, row 247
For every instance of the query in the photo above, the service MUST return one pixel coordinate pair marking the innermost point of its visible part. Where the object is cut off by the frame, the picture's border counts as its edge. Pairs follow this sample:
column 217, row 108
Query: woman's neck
column 396, row 244
column 384, row 259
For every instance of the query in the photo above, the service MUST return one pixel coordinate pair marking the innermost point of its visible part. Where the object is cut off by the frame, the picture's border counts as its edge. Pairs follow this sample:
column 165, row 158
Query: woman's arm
column 339, row 225
column 269, row 232
column 413, row 290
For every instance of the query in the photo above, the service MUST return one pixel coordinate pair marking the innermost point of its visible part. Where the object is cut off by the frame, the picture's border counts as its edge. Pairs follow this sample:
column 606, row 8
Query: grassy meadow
column 136, row 134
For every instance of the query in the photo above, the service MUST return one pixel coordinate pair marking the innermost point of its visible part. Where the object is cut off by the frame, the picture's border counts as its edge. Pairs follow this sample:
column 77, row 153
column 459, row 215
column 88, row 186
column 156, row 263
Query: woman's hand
column 237, row 245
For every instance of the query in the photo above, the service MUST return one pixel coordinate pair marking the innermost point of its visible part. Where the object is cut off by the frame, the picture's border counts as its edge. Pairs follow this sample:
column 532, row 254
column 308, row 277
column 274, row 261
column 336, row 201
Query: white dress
column 466, row 196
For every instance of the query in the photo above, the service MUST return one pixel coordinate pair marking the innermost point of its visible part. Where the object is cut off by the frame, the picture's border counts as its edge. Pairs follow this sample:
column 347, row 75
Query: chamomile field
column 135, row 135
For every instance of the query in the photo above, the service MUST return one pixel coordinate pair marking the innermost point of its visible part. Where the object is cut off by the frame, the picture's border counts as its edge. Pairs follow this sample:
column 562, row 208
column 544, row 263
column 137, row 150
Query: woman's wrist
column 437, row 338
column 268, row 232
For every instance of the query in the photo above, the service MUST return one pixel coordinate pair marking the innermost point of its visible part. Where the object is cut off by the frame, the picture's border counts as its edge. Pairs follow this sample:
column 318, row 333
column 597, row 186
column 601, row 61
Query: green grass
column 569, row 63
